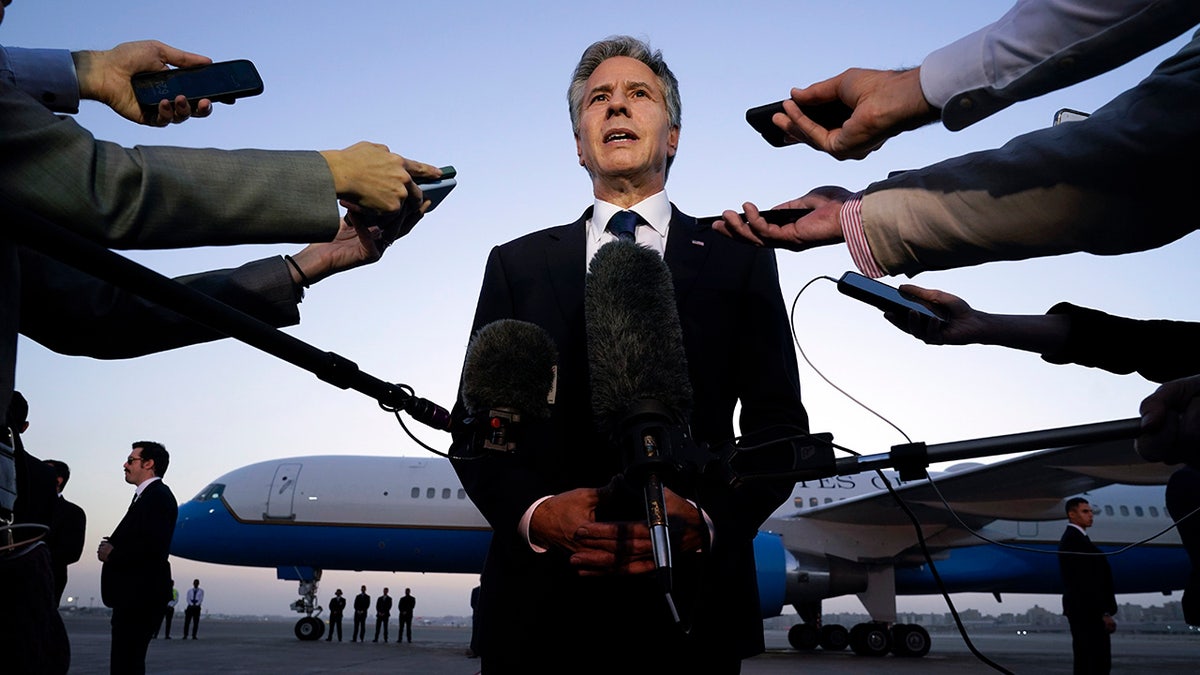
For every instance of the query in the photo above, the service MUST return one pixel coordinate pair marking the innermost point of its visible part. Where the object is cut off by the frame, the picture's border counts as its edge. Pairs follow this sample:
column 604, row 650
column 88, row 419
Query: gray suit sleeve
column 158, row 197
column 73, row 313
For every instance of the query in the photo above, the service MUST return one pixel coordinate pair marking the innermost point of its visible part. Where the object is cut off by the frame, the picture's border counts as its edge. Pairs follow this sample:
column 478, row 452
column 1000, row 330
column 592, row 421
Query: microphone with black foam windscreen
column 508, row 377
column 641, row 394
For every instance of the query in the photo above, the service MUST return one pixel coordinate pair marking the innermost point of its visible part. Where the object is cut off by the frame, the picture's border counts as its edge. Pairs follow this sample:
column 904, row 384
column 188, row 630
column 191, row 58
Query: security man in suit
column 383, row 614
column 362, row 605
column 1089, row 602
column 336, row 607
column 66, row 530
column 555, row 569
column 135, row 578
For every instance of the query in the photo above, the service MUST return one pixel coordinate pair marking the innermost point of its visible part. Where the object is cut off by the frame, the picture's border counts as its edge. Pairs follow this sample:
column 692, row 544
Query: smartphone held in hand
column 881, row 295
column 220, row 82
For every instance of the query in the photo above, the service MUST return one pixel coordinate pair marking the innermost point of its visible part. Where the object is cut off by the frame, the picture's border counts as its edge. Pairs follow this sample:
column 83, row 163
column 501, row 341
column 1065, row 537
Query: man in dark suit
column 362, row 605
column 383, row 614
column 135, row 579
column 557, row 574
column 1089, row 602
column 336, row 607
column 406, row 605
column 66, row 530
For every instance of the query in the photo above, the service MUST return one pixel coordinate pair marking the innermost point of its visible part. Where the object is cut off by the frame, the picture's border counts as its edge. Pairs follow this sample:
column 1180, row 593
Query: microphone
column 509, row 374
column 641, row 393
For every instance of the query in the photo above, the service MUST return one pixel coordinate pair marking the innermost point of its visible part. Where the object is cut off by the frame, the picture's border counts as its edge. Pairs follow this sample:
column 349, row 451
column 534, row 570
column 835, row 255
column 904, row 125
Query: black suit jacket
column 337, row 605
column 137, row 572
column 739, row 348
column 67, row 530
column 1087, row 580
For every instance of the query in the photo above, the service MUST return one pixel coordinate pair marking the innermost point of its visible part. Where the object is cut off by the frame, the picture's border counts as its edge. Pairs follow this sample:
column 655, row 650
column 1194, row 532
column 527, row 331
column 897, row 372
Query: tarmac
column 241, row 645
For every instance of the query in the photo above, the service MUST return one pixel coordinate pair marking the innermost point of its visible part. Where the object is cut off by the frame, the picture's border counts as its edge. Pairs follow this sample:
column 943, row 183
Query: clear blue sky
column 481, row 85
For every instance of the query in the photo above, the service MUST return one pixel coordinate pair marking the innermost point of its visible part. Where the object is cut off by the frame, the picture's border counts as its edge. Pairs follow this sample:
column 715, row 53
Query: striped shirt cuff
column 856, row 238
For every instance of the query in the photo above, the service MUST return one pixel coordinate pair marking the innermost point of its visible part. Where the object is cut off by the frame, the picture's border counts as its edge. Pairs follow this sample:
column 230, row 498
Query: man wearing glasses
column 135, row 579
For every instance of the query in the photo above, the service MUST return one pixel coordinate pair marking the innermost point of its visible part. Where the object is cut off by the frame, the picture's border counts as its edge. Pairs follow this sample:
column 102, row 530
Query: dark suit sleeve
column 1158, row 350
column 71, row 312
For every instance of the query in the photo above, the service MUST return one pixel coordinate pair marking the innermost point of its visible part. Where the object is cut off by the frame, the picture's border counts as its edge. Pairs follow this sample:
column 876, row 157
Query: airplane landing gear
column 909, row 639
column 871, row 639
column 310, row 627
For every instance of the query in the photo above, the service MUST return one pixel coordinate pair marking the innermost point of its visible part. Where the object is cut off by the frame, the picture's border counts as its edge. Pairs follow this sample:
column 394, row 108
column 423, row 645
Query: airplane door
column 283, row 491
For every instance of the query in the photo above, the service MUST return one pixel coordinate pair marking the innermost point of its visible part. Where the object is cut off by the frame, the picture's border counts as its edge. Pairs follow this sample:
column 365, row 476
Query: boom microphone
column 641, row 394
column 508, row 375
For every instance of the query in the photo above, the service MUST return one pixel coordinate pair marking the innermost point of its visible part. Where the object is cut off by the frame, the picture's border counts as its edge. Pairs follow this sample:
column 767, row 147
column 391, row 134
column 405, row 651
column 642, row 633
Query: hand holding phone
column 830, row 115
column 221, row 82
column 772, row 216
column 882, row 296
column 436, row 190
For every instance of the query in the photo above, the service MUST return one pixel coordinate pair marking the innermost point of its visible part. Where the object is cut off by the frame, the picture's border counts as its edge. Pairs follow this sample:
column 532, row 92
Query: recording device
column 221, row 82
column 830, row 115
column 436, row 191
column 772, row 216
column 881, row 295
column 508, row 379
column 641, row 393
column 1069, row 115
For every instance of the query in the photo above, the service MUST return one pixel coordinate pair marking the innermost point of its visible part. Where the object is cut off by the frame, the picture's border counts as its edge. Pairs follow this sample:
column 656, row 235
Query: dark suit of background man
column 362, row 605
column 66, row 530
column 551, row 572
column 135, row 579
column 336, row 606
column 383, row 614
column 1089, row 602
column 191, row 610
column 407, row 604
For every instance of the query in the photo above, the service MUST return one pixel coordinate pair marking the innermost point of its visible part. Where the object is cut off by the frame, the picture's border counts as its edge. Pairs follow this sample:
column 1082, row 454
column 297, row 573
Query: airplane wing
column 1028, row 487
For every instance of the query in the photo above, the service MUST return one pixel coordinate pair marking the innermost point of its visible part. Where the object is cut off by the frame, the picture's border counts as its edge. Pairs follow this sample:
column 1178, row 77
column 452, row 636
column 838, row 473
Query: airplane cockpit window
column 212, row 491
column 416, row 493
column 445, row 493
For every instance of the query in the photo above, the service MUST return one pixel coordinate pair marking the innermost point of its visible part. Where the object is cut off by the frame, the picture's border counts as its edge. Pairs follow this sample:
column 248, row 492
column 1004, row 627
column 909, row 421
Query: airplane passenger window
column 1125, row 510
column 1137, row 510
column 828, row 500
column 431, row 493
column 445, row 493
column 462, row 494
column 812, row 501
column 416, row 492
column 1108, row 510
column 1153, row 511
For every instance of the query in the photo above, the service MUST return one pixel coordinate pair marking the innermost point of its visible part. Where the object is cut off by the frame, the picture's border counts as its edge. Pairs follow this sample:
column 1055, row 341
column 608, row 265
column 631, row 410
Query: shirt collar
column 655, row 210
column 142, row 486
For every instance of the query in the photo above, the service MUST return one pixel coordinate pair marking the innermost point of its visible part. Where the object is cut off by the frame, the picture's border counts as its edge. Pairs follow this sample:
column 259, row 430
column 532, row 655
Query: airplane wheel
column 310, row 628
column 834, row 637
column 909, row 639
column 870, row 639
column 803, row 637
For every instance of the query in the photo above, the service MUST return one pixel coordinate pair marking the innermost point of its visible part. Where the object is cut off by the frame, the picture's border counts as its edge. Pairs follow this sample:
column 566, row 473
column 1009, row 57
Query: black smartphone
column 830, row 115
column 220, row 82
column 436, row 189
column 772, row 216
column 881, row 295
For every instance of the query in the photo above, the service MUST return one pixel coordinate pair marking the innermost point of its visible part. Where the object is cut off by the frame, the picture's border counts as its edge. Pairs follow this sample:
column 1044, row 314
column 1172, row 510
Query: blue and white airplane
column 989, row 528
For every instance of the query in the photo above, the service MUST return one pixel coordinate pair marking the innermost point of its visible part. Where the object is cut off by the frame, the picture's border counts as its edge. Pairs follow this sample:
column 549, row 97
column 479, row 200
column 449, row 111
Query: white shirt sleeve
column 48, row 75
column 1042, row 45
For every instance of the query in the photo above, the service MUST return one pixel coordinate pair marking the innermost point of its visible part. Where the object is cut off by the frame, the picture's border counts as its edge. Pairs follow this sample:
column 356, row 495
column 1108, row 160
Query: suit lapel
column 565, row 265
column 687, row 250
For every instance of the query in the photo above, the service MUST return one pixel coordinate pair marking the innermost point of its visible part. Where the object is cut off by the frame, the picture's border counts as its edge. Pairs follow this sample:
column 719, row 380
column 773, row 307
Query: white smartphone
column 1068, row 115
column 881, row 295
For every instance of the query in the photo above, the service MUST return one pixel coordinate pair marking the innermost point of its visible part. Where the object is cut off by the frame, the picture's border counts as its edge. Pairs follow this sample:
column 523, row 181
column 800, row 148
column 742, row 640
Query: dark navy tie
column 623, row 224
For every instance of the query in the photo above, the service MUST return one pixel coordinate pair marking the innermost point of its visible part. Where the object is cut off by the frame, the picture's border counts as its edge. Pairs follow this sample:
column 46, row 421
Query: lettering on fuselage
column 836, row 488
